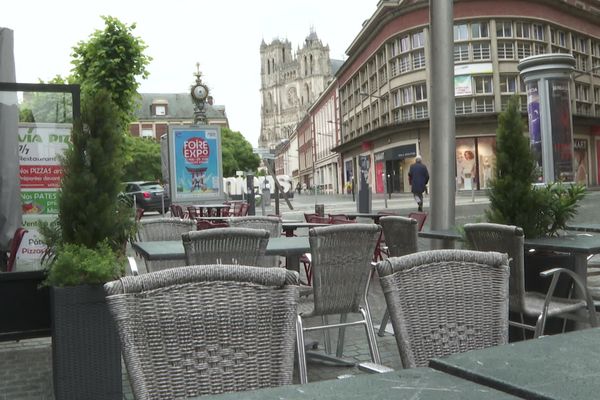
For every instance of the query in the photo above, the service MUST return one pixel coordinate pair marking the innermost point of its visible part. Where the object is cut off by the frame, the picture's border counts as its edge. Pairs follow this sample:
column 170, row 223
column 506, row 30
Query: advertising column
column 547, row 78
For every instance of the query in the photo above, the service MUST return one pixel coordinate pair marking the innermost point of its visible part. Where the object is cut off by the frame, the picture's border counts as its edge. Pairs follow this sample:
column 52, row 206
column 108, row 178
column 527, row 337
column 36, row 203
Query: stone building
column 290, row 83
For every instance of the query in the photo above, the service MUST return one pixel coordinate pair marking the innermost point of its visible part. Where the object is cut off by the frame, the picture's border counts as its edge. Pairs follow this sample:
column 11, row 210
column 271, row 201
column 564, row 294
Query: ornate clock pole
column 199, row 94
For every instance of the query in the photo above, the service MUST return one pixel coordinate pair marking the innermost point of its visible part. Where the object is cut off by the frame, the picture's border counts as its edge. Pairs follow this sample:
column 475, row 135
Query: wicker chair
column 420, row 216
column 341, row 265
column 192, row 331
column 158, row 229
column 445, row 301
column 509, row 239
column 243, row 246
column 270, row 224
column 401, row 239
column 15, row 243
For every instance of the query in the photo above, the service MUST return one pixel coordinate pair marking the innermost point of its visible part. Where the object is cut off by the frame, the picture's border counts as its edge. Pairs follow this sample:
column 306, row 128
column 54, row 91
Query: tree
column 237, row 153
column 47, row 107
column 142, row 159
column 112, row 59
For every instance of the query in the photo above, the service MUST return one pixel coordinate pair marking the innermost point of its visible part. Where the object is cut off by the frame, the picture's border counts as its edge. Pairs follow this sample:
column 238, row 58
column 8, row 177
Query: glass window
column 481, row 51
column 508, row 84
column 506, row 51
column 406, row 93
column 396, row 99
column 418, row 40
column 421, row 111
column 404, row 44
column 484, row 104
column 537, row 31
column 539, row 48
column 479, row 30
column 503, row 29
column 421, row 92
column 463, row 106
column 461, row 52
column 523, row 30
column 407, row 114
column 404, row 63
column 523, row 50
column 461, row 32
column 483, row 84
column 418, row 59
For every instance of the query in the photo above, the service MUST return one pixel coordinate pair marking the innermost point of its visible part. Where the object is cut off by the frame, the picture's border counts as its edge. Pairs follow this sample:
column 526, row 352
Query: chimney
column 210, row 100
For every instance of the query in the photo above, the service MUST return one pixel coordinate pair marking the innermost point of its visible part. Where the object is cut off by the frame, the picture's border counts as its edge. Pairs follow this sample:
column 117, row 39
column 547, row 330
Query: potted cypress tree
column 541, row 210
column 87, row 245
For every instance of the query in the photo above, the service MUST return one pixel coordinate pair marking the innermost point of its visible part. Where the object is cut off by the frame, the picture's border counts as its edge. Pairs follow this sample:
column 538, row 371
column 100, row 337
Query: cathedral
column 290, row 83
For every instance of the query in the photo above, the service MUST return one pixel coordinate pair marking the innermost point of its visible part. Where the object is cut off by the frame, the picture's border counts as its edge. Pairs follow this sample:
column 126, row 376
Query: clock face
column 200, row 92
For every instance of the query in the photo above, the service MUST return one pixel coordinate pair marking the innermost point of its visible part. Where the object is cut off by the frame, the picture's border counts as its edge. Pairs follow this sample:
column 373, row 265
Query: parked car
column 147, row 195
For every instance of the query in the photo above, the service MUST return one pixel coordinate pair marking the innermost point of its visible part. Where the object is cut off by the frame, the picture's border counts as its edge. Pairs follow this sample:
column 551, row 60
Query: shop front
column 475, row 162
column 391, row 168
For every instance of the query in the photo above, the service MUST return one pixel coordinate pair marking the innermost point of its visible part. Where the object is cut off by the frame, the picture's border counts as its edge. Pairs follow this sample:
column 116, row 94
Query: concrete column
column 442, row 125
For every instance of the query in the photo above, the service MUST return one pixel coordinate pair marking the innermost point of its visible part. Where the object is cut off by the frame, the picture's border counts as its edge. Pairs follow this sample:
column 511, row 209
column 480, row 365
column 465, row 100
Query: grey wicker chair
column 509, row 239
column 158, row 229
column 401, row 236
column 192, row 331
column 341, row 265
column 270, row 224
column 243, row 246
column 445, row 301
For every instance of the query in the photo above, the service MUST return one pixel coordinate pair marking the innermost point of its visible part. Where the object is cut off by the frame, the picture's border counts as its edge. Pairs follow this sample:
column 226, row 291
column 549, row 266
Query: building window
column 483, row 85
column 396, row 116
column 537, row 31
column 523, row 30
column 420, row 92
column 394, row 48
column 396, row 99
column 504, row 29
column 404, row 63
column 160, row 110
column 421, row 111
column 559, row 38
column 523, row 50
column 539, row 48
column 404, row 44
column 484, row 104
column 481, row 51
column 419, row 59
column 461, row 52
column 461, row 32
column 582, row 92
column 407, row 114
column 508, row 84
column 406, row 94
column 506, row 51
column 463, row 106
column 147, row 133
column 418, row 40
column 479, row 30
column 394, row 67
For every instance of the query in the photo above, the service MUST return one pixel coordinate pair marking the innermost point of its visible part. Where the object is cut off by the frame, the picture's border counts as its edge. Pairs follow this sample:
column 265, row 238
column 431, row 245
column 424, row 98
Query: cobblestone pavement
column 26, row 366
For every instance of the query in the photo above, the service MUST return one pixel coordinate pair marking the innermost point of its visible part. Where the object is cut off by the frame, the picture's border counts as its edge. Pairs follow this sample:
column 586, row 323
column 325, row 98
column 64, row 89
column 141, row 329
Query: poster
column 580, row 147
column 535, row 130
column 195, row 163
column 562, row 136
column 463, row 85
column 466, row 163
column 40, row 172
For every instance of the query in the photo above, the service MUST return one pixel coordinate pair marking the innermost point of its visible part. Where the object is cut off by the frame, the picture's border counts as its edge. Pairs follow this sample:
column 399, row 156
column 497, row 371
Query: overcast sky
column 223, row 36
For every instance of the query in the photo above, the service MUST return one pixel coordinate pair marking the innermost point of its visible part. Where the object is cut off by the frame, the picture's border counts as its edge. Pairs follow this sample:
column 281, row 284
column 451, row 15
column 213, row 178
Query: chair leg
column 384, row 322
column 374, row 350
column 326, row 336
column 539, row 326
column 341, row 334
column 303, row 375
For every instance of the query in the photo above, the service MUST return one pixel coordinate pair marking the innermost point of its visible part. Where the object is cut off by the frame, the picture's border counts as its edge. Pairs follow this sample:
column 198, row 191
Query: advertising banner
column 195, row 164
column 535, row 129
column 562, row 134
column 463, row 85
column 40, row 147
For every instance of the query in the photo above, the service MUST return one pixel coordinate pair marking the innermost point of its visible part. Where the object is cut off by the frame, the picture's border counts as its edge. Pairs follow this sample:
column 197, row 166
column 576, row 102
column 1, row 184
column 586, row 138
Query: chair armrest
column 374, row 368
column 555, row 273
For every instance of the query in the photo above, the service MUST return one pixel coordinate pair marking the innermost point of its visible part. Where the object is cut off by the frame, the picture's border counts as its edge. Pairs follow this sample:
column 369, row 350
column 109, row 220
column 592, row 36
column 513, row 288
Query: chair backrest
column 193, row 212
column 244, row 209
column 341, row 265
column 420, row 216
column 316, row 218
column 242, row 246
column 270, row 224
column 164, row 228
column 338, row 217
column 177, row 211
column 139, row 213
column 14, row 248
column 400, row 235
column 193, row 331
column 503, row 239
column 443, row 302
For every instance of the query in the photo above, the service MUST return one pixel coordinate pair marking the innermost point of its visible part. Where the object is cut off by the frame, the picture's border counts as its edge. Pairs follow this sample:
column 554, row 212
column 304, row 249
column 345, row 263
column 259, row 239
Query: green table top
column 173, row 249
column 450, row 234
column 564, row 366
column 586, row 243
column 416, row 383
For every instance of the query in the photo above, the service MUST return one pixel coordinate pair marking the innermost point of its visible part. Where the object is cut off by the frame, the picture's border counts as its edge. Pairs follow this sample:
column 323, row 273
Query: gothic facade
column 290, row 83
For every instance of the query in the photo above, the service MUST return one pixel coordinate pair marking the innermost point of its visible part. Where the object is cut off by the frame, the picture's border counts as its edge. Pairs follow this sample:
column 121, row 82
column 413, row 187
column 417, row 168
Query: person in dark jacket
column 418, row 177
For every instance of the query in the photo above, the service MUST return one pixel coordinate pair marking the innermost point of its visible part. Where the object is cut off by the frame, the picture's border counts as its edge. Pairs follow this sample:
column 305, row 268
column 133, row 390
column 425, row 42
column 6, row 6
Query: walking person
column 418, row 177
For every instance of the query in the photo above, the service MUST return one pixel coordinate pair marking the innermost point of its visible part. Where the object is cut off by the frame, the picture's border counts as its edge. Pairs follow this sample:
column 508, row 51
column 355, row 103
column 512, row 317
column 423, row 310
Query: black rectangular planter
column 86, row 355
column 25, row 310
